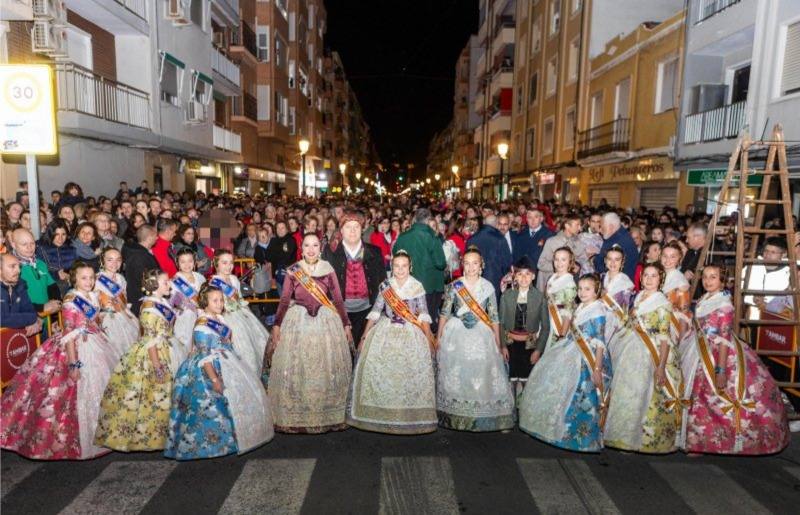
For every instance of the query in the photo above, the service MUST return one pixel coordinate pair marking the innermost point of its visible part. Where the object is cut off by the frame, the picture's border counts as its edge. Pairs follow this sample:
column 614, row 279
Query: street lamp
column 342, row 168
column 454, row 169
column 502, row 151
column 304, row 144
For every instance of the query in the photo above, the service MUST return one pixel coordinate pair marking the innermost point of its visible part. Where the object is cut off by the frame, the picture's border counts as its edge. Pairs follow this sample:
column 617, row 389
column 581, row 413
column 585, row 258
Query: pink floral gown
column 45, row 414
column 748, row 417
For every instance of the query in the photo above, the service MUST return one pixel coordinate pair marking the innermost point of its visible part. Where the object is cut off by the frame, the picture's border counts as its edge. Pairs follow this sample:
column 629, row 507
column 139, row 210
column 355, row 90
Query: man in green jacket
column 427, row 260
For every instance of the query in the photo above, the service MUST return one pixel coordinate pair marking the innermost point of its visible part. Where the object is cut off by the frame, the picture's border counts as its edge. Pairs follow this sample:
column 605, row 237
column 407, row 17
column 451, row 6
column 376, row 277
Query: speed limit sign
column 27, row 110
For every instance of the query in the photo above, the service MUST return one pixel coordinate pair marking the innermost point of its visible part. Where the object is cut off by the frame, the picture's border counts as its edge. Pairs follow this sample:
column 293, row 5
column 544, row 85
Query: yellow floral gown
column 134, row 413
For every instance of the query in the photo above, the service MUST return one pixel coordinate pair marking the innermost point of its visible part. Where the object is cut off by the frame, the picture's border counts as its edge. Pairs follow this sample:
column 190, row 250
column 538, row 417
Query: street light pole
column 342, row 168
column 454, row 169
column 304, row 144
column 502, row 151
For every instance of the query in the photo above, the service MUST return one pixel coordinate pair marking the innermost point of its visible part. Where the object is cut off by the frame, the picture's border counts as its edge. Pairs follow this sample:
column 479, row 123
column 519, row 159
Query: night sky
column 400, row 58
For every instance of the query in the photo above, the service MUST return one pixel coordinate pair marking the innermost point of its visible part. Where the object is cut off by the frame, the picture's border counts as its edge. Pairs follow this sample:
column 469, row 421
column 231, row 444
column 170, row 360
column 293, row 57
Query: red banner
column 15, row 348
column 776, row 337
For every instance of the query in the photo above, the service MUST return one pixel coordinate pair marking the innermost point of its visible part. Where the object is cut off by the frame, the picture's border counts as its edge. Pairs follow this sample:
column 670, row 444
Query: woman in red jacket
column 384, row 239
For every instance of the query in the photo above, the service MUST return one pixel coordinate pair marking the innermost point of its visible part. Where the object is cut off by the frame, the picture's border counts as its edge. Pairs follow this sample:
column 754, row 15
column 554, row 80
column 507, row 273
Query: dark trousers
column 434, row 302
column 358, row 321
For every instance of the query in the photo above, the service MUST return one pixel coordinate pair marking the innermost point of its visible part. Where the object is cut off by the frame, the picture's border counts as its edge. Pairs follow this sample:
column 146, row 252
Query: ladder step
column 767, row 322
column 772, row 293
column 759, row 261
column 755, row 230
column 762, row 352
column 764, row 172
column 721, row 252
column 768, row 202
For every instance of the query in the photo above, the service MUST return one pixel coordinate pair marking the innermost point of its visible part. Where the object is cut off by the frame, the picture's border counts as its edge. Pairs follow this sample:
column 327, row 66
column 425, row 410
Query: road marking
column 565, row 486
column 15, row 473
column 122, row 487
column 411, row 485
column 270, row 486
column 795, row 471
column 708, row 489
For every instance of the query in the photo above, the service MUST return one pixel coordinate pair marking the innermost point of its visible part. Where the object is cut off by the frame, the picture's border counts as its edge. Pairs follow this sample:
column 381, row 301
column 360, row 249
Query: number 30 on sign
column 27, row 110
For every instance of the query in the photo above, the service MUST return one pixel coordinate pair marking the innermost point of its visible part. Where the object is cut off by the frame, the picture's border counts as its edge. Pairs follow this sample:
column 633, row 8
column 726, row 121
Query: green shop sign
column 714, row 177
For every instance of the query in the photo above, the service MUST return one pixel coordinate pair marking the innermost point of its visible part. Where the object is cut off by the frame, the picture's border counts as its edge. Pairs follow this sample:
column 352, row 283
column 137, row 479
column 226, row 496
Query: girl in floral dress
column 618, row 293
column 310, row 351
column 219, row 406
column 736, row 406
column 119, row 323
column 250, row 337
column 135, row 408
column 393, row 383
column 183, row 298
column 51, row 406
column 644, row 411
column 473, row 391
column 564, row 399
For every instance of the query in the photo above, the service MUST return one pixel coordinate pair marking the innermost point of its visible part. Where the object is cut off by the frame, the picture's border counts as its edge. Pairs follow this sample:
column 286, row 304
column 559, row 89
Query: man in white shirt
column 767, row 277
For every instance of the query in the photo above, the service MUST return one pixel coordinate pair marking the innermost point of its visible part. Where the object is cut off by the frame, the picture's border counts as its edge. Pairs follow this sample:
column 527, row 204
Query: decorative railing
column 227, row 140
column 608, row 137
column 708, row 8
column 715, row 124
column 225, row 66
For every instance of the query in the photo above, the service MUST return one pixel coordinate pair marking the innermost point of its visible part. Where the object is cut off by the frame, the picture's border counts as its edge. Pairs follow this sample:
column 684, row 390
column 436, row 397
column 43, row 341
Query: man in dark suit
column 530, row 239
column 360, row 271
column 615, row 234
column 494, row 250
column 138, row 258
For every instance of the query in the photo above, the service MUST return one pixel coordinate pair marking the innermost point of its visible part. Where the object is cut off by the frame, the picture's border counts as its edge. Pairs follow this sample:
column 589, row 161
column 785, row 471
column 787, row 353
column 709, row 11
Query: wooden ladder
column 748, row 238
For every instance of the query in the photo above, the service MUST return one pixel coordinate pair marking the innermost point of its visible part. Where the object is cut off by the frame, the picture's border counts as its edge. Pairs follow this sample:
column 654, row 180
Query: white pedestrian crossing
column 413, row 485
column 565, row 486
column 708, row 489
column 122, row 487
column 270, row 486
column 12, row 475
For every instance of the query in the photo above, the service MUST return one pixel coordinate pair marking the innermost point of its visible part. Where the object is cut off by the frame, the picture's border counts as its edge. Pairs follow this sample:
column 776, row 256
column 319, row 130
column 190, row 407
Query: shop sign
column 641, row 170
column 714, row 177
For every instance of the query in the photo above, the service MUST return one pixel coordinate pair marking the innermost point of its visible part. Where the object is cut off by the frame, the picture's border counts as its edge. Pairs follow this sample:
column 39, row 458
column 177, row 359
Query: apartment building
column 465, row 118
column 741, row 72
column 625, row 157
column 555, row 41
column 133, row 99
column 440, row 160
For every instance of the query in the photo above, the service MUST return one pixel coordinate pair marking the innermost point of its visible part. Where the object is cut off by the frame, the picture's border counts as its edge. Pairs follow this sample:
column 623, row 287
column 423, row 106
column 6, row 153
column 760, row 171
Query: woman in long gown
column 564, row 399
column 50, row 408
column 310, row 348
column 183, row 298
column 736, row 406
column 218, row 406
column 119, row 323
column 393, row 382
column 135, row 408
column 473, row 391
column 618, row 293
column 644, row 412
column 250, row 337
column 676, row 289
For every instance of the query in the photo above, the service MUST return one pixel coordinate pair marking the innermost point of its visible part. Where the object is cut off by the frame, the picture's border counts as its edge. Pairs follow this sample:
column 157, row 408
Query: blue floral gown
column 560, row 404
column 205, row 424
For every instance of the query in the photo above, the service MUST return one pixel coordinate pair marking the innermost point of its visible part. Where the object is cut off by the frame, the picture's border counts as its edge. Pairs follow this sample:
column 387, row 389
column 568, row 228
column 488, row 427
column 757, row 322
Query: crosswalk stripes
column 276, row 486
column 12, row 477
column 122, row 487
column 565, row 486
column 708, row 489
column 411, row 485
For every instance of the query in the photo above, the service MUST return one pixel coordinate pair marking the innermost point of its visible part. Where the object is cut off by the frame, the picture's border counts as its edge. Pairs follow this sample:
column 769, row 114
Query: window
column 171, row 78
column 280, row 52
column 519, row 99
column 552, row 75
column 536, row 35
column 292, row 27
column 292, row 74
column 530, row 143
column 263, row 97
column 202, row 88
column 292, row 120
column 282, row 7
column 574, row 58
column 740, row 84
column 547, row 141
column 665, row 85
column 262, row 39
column 790, row 82
column 622, row 99
column 576, row 6
column 533, row 88
column 597, row 108
column 197, row 13
column 517, row 144
column 569, row 128
column 555, row 16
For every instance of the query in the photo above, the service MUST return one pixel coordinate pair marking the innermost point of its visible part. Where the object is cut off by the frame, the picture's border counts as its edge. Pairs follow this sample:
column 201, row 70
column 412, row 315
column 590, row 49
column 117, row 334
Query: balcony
column 229, row 9
column 226, row 70
column 245, row 106
column 708, row 8
column 504, row 36
column 715, row 124
column 81, row 90
column 227, row 140
column 604, row 139
column 502, row 79
column 500, row 122
column 245, row 39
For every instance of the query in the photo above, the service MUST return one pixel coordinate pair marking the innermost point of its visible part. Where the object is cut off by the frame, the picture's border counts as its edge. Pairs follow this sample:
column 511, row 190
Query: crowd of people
column 575, row 323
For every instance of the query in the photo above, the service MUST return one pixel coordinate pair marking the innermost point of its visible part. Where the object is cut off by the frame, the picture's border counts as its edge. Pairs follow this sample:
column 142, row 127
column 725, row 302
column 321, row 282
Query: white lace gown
column 185, row 303
column 119, row 322
column 473, row 389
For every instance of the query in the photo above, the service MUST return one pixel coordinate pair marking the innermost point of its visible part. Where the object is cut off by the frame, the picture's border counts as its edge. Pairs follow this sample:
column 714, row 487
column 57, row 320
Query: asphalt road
column 445, row 472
